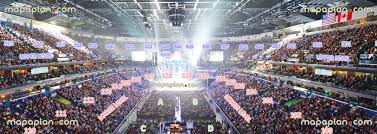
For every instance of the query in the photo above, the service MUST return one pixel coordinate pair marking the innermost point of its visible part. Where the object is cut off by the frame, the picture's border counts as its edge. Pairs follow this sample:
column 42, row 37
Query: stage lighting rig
column 177, row 16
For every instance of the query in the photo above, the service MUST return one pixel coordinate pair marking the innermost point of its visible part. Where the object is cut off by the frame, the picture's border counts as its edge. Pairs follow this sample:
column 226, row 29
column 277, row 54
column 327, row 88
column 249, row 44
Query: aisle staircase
column 132, row 115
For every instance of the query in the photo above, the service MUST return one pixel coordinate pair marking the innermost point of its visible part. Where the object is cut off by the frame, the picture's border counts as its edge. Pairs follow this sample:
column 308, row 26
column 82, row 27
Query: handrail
column 48, row 81
column 224, row 115
column 61, row 86
column 361, row 107
column 316, row 84
column 334, row 67
column 118, row 129
column 25, row 66
column 32, row 84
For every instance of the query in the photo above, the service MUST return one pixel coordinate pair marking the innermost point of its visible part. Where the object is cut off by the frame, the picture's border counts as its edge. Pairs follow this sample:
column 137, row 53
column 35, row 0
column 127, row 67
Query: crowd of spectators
column 360, row 37
column 19, row 79
column 362, row 40
column 369, row 57
column 364, row 84
column 153, row 113
column 23, row 39
column 151, row 126
column 43, row 107
column 159, row 106
column 371, row 50
column 51, row 41
column 100, row 50
column 193, row 111
column 237, row 50
column 201, row 127
column 9, row 55
column 275, row 118
column 254, row 53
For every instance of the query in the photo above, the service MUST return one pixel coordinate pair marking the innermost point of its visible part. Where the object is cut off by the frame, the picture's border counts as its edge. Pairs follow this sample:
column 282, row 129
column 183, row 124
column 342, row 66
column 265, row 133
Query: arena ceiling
column 228, row 17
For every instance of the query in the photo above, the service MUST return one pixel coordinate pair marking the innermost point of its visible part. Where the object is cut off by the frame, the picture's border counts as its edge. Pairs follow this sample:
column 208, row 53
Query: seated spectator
column 275, row 118
column 44, row 107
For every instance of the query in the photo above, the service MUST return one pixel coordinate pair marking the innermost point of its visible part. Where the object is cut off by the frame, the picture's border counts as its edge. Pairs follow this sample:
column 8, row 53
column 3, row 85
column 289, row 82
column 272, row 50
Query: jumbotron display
column 188, row 67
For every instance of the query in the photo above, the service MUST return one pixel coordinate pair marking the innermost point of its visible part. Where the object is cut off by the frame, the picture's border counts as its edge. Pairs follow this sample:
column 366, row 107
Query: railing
column 48, row 82
column 334, row 67
column 223, row 114
column 25, row 66
column 317, row 84
column 61, row 86
column 317, row 94
column 122, row 124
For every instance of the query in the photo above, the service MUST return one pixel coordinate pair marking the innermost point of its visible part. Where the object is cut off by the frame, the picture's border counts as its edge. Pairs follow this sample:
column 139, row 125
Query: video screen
column 188, row 67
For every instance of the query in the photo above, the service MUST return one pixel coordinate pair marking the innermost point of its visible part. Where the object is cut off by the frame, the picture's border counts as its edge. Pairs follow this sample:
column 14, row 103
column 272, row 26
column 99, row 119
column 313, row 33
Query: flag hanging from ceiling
column 328, row 19
column 345, row 16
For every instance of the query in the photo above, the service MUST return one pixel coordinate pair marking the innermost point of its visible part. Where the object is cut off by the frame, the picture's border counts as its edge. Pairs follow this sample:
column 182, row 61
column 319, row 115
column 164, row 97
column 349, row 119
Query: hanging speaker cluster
column 177, row 16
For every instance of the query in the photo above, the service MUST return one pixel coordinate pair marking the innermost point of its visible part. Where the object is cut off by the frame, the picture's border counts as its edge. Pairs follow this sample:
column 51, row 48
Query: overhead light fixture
column 177, row 16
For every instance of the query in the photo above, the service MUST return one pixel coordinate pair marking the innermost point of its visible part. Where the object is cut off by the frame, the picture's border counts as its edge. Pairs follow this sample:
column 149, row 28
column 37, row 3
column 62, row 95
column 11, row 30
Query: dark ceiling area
column 146, row 18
